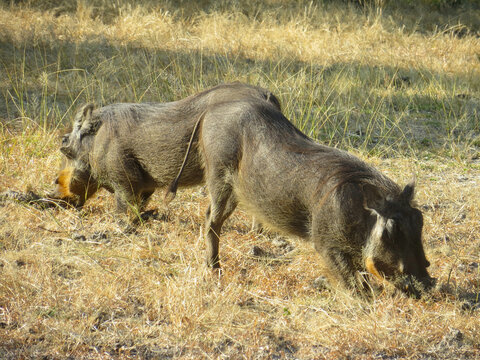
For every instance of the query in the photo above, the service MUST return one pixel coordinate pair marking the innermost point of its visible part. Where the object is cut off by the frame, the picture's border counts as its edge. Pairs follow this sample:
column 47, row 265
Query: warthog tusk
column 370, row 266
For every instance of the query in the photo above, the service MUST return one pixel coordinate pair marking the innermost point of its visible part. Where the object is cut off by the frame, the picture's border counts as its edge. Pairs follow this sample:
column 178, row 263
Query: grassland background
column 395, row 82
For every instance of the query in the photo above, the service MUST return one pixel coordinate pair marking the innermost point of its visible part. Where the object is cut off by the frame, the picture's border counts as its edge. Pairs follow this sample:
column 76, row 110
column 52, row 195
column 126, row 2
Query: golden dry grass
column 74, row 285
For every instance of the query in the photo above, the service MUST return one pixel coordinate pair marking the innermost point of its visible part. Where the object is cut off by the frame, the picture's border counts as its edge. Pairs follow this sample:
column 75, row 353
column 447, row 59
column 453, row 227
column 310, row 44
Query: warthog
column 357, row 218
column 132, row 149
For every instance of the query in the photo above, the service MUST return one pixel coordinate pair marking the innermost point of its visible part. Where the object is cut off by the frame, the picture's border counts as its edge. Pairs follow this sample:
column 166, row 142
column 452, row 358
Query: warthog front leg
column 144, row 198
column 222, row 205
column 341, row 267
column 128, row 200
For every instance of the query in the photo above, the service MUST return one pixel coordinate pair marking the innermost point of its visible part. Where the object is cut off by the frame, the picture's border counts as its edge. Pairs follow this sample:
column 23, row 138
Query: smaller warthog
column 132, row 149
column 358, row 219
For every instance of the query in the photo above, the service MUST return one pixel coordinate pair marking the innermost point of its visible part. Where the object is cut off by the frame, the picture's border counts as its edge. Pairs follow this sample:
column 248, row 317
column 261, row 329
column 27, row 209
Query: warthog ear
column 85, row 122
column 409, row 191
column 372, row 200
column 88, row 124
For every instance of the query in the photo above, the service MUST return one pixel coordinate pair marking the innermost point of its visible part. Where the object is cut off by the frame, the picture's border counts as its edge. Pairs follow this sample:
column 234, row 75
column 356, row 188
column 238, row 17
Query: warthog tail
column 171, row 191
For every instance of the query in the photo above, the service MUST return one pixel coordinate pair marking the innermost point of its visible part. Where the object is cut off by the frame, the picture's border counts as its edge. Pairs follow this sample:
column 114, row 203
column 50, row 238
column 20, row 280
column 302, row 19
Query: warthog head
column 74, row 183
column 394, row 249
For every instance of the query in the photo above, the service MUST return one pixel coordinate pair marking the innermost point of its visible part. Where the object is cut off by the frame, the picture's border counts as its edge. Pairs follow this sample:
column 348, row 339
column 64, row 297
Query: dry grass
column 73, row 284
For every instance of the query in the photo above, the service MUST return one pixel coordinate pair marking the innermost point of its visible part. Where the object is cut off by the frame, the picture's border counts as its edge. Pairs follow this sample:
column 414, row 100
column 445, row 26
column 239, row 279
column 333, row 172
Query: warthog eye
column 65, row 139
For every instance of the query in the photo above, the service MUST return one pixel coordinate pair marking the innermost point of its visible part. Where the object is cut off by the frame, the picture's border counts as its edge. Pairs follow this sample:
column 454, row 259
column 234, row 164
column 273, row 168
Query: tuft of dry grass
column 74, row 284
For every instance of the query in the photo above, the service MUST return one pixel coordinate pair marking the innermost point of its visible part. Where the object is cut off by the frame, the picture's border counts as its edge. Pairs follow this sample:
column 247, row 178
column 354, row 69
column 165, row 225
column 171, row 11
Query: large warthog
column 358, row 219
column 132, row 149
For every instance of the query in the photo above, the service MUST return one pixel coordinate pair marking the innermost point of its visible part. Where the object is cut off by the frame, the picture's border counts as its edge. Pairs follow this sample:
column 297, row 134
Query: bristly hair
column 350, row 170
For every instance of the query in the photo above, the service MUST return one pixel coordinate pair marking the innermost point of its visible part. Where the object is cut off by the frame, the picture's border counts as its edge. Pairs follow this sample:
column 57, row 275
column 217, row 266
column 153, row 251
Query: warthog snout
column 413, row 285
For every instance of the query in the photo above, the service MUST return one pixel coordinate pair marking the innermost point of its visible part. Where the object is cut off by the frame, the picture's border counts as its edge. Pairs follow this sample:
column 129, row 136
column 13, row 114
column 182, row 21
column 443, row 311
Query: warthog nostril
column 416, row 287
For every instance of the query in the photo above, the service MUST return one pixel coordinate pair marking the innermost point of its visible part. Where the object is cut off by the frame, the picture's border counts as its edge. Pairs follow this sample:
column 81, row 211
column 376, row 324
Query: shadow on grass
column 380, row 109
column 467, row 300
column 459, row 18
